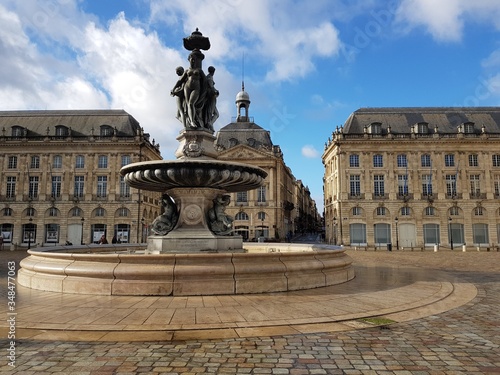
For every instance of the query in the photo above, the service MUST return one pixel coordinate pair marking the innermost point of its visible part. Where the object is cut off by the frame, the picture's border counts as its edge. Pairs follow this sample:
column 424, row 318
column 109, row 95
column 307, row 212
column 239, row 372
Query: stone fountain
column 193, row 250
column 194, row 186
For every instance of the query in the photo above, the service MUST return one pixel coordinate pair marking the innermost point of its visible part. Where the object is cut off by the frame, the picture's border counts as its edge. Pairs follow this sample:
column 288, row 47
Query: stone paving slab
column 457, row 338
column 377, row 290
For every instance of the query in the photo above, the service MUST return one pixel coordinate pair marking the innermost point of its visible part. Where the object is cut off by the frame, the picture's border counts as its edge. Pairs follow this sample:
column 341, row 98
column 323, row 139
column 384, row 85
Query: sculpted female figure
column 178, row 92
column 212, row 114
column 192, row 90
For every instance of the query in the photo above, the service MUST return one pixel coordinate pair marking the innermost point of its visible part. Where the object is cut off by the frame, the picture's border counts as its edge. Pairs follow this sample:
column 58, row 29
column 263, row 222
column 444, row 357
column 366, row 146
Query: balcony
column 8, row 198
column 454, row 196
column 99, row 197
column 405, row 197
column 28, row 197
column 477, row 195
column 380, row 196
column 357, row 196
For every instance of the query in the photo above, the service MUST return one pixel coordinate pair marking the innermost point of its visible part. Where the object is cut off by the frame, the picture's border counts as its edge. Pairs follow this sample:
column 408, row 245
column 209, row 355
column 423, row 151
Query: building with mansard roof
column 414, row 178
column 60, row 181
column 283, row 205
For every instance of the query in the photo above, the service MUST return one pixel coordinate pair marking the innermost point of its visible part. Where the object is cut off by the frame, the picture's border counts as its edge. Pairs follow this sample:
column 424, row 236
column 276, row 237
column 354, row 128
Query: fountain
column 193, row 250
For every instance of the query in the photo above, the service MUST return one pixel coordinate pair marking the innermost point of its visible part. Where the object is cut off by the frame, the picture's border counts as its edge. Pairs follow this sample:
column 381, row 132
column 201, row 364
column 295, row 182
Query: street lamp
column 81, row 239
column 397, row 234
column 334, row 230
column 29, row 232
column 262, row 227
column 451, row 232
column 142, row 230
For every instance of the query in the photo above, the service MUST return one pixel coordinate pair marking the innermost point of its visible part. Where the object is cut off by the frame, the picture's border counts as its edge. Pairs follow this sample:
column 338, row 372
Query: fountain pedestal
column 191, row 233
column 196, row 144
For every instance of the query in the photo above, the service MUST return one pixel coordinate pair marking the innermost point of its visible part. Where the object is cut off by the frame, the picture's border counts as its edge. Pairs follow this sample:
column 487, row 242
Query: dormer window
column 375, row 128
column 468, row 128
column 17, row 131
column 61, row 131
column 422, row 128
column 106, row 131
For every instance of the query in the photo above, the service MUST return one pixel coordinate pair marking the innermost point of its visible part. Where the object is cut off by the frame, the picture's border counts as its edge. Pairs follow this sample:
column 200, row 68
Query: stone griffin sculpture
column 218, row 222
column 168, row 219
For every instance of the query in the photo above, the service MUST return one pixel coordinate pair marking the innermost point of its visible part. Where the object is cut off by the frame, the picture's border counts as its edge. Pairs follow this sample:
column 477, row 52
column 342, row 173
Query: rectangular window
column 426, row 185
column 380, row 211
column 405, row 211
column 80, row 162
column 496, row 185
column 125, row 160
column 35, row 162
column 449, row 160
column 79, row 186
column 102, row 186
column 402, row 184
column 425, row 160
column 451, row 185
column 11, row 187
column 378, row 161
column 378, row 185
column 431, row 234
column 56, row 186
column 242, row 197
column 475, row 188
column 496, row 160
column 124, row 188
column 261, row 194
column 12, row 162
column 356, row 211
column 354, row 161
column 57, row 162
column 473, row 161
column 354, row 185
column 402, row 161
column 33, row 187
column 102, row 161
column 357, row 234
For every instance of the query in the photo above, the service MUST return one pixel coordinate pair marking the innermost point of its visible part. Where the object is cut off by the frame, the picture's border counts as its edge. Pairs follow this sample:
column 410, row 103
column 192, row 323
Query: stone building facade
column 60, row 181
column 414, row 178
column 283, row 205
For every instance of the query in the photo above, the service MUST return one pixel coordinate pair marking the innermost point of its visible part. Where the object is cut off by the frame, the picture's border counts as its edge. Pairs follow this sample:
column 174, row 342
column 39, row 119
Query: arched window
column 429, row 211
column 99, row 212
column 123, row 212
column 61, row 131
column 106, row 131
column 241, row 216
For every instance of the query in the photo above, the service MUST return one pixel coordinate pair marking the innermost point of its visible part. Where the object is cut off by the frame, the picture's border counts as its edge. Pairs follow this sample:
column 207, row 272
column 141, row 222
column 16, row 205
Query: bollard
column 464, row 248
column 435, row 248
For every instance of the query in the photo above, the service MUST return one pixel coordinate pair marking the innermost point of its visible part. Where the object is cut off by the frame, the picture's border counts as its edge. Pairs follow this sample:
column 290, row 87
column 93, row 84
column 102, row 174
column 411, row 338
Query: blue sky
column 307, row 64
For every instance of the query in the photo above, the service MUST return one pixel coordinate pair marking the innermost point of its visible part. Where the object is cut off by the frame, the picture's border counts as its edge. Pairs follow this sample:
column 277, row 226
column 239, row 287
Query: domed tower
column 242, row 104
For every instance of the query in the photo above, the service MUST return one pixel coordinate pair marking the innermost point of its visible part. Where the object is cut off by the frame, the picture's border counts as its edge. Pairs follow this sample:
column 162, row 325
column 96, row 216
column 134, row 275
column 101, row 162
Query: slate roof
column 81, row 122
column 447, row 119
column 247, row 133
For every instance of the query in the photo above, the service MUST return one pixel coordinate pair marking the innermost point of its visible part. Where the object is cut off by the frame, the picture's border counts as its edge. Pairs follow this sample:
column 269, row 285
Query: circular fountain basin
column 162, row 175
column 128, row 269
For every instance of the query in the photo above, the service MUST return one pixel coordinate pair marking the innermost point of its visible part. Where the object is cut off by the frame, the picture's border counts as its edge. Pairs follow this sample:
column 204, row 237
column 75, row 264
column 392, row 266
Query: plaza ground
column 404, row 313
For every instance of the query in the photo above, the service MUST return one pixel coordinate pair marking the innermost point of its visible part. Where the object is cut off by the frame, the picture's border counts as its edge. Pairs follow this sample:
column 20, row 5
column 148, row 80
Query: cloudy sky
column 306, row 64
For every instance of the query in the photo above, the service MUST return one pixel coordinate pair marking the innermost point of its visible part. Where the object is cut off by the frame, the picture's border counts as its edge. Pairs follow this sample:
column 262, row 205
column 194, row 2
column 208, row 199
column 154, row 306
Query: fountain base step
column 192, row 242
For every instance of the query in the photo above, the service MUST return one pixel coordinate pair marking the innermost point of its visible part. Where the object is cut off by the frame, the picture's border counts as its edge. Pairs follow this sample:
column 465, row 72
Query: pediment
column 243, row 152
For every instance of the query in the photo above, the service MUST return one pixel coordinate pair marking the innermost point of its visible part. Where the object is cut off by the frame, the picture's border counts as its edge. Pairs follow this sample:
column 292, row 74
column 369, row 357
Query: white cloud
column 310, row 152
column 288, row 35
column 445, row 19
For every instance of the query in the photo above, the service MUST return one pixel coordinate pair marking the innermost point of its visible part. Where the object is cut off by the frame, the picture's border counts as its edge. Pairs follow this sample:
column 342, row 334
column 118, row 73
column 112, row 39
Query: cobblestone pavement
column 465, row 340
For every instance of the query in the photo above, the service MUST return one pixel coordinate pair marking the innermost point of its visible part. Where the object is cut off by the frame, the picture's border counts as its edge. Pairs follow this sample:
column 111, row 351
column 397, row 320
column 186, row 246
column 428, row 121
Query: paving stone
column 464, row 340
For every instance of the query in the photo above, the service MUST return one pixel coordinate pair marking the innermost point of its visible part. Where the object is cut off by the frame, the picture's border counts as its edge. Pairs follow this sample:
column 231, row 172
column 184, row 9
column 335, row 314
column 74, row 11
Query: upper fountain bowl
column 162, row 175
